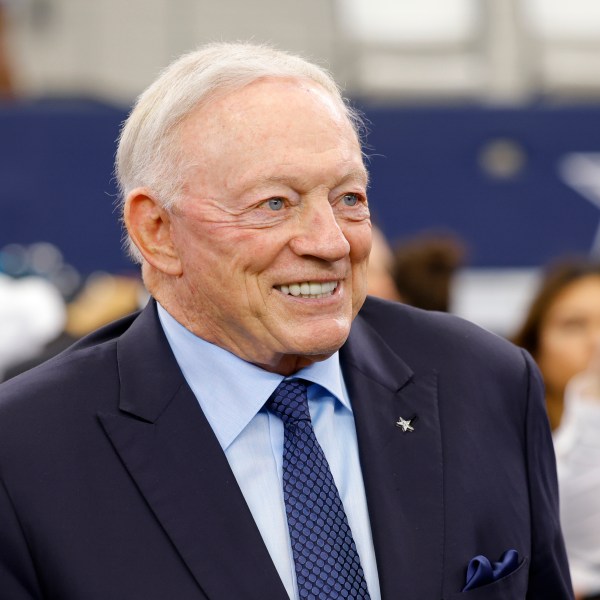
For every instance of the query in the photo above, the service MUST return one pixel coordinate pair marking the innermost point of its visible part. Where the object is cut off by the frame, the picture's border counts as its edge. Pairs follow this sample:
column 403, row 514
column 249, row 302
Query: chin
column 321, row 341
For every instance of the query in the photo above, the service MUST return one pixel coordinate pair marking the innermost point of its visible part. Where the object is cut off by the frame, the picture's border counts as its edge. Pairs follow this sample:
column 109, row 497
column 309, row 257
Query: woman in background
column 562, row 328
column 562, row 332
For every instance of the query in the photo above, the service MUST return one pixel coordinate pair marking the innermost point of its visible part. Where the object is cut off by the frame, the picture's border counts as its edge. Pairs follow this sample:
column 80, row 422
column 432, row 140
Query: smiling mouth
column 309, row 289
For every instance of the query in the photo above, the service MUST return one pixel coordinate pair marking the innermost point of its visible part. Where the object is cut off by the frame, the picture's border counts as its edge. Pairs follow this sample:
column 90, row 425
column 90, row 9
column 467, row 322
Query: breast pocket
column 511, row 587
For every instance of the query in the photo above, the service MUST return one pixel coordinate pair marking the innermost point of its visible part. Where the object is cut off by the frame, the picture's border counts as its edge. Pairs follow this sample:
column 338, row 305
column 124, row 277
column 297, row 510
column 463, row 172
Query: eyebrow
column 360, row 175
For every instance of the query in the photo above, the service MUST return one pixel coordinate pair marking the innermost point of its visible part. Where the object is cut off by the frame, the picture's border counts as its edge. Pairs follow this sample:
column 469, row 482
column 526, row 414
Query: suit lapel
column 170, row 450
column 402, row 471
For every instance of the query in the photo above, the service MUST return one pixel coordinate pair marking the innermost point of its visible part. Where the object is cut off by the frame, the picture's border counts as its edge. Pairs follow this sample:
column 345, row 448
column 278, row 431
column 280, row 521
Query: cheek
column 560, row 358
column 359, row 238
column 219, row 249
column 257, row 251
column 253, row 250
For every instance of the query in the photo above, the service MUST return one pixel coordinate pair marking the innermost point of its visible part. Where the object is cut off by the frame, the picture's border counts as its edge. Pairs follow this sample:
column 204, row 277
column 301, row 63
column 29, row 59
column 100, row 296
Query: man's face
column 273, row 230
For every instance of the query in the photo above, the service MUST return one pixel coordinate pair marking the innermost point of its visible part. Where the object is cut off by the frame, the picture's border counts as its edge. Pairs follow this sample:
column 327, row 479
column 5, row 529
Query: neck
column 283, row 364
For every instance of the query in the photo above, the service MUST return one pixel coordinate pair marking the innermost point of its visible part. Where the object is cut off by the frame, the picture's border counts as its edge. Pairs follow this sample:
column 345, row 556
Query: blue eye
column 275, row 203
column 350, row 199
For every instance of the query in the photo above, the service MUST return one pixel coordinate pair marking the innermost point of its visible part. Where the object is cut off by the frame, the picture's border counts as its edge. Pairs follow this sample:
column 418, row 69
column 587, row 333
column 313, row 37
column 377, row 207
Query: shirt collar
column 231, row 394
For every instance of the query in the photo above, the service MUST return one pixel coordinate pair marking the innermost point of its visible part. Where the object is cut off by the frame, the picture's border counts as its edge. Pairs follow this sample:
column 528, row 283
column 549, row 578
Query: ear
column 149, row 226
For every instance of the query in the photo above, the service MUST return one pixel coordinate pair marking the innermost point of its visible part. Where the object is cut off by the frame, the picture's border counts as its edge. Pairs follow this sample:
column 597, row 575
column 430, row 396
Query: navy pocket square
column 483, row 572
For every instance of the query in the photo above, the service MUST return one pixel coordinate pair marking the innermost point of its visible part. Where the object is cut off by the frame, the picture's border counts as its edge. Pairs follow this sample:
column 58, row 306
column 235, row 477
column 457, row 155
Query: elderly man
column 260, row 430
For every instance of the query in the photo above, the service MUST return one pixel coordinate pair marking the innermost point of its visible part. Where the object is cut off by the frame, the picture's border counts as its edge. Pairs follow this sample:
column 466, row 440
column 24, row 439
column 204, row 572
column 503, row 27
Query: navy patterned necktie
column 325, row 556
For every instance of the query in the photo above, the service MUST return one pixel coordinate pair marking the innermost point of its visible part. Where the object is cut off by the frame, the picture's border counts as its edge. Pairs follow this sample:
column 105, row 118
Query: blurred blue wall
column 56, row 180
column 426, row 171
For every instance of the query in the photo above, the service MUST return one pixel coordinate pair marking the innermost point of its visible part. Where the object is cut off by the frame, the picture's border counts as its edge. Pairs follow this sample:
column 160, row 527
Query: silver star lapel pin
column 405, row 424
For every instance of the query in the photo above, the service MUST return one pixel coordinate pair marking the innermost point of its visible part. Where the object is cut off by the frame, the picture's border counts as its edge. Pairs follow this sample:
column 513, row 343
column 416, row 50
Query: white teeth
column 309, row 289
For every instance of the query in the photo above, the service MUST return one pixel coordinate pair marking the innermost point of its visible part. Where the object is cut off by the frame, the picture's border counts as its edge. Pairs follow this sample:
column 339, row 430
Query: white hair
column 148, row 154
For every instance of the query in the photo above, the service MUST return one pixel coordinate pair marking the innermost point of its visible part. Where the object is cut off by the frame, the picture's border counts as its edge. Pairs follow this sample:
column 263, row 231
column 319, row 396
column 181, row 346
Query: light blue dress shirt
column 232, row 396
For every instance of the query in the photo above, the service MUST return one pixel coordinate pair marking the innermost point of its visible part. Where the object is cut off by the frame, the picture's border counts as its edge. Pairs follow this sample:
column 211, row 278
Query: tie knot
column 289, row 401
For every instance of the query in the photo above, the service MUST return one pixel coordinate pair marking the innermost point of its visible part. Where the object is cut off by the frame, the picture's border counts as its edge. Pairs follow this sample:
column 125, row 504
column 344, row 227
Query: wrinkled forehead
column 273, row 120
column 266, row 100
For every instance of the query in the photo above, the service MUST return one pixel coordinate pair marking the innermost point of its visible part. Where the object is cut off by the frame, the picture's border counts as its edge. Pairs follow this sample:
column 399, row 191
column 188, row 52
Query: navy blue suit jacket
column 114, row 487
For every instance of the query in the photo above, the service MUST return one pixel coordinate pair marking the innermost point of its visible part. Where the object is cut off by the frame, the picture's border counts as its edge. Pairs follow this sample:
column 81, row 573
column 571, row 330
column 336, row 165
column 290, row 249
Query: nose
column 318, row 233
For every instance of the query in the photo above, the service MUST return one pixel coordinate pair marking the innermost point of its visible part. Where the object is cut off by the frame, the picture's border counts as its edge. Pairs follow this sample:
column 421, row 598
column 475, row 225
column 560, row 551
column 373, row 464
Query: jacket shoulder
column 438, row 338
column 85, row 365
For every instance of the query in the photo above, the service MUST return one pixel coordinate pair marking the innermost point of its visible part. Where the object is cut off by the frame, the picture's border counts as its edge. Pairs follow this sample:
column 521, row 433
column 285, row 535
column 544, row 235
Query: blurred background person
column 103, row 299
column 424, row 267
column 46, row 304
column 32, row 312
column 419, row 271
column 562, row 327
column 381, row 264
column 562, row 332
column 6, row 79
